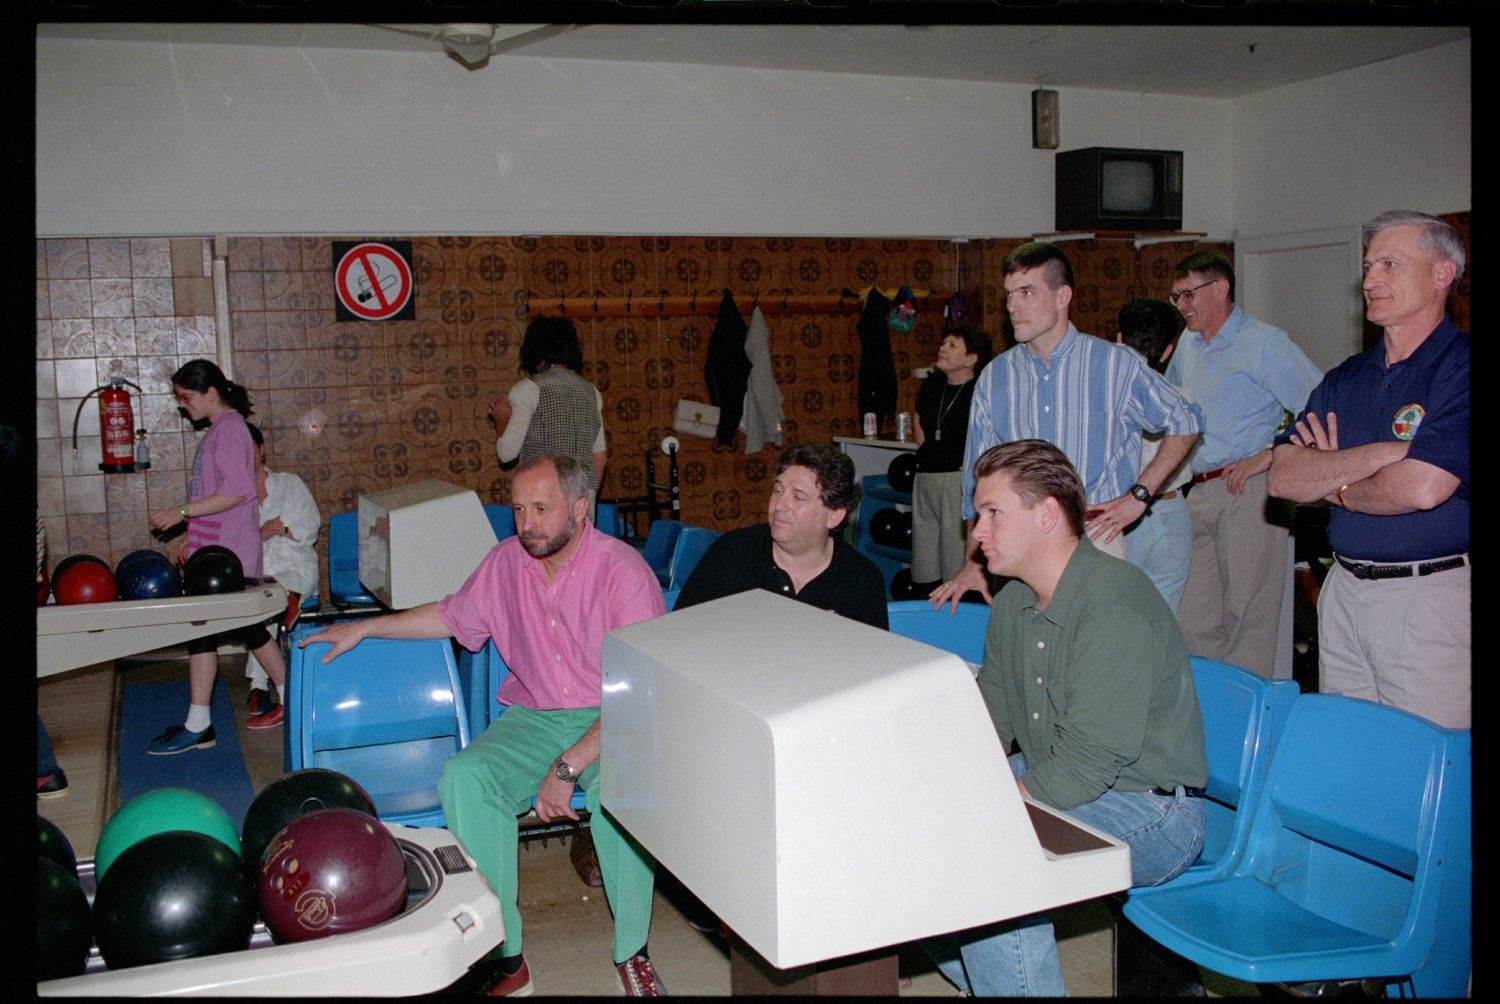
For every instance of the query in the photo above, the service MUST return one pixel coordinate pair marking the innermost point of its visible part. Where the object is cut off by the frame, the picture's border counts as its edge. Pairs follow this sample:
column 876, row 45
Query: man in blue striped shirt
column 1091, row 398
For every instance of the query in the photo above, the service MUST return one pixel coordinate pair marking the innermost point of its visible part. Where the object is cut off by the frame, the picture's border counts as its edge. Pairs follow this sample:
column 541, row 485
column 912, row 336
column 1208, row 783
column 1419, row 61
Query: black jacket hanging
column 877, row 367
column 727, row 368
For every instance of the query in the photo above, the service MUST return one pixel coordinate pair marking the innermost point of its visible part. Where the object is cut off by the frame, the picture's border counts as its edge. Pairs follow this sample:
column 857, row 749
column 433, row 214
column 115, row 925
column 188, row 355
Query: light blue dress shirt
column 1243, row 380
column 1093, row 402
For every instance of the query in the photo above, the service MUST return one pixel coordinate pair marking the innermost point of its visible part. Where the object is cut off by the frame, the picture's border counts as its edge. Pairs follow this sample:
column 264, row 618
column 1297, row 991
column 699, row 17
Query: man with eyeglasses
column 1089, row 397
column 1244, row 374
column 1385, row 439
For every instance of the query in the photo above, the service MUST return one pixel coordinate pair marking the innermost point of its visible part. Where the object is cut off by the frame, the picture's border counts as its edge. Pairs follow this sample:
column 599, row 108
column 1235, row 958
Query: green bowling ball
column 159, row 811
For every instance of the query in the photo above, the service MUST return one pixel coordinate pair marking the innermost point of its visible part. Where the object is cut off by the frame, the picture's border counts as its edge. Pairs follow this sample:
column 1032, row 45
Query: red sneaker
column 268, row 719
column 638, row 978
column 517, row 984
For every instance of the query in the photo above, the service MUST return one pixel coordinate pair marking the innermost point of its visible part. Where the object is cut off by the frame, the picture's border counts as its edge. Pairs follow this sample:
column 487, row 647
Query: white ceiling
column 1222, row 61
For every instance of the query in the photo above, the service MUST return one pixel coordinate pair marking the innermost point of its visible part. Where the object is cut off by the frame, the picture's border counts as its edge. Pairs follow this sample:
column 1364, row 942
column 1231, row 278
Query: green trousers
column 487, row 785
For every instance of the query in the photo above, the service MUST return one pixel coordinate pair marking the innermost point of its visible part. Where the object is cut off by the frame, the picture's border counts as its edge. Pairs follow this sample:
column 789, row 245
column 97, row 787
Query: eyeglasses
column 1186, row 296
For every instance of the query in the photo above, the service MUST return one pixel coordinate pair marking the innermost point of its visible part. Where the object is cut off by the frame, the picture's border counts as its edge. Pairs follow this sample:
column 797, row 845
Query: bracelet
column 182, row 510
column 1340, row 496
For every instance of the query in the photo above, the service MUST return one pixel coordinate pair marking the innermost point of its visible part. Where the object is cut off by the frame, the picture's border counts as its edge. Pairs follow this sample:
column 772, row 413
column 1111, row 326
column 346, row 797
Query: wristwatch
column 563, row 771
column 1140, row 493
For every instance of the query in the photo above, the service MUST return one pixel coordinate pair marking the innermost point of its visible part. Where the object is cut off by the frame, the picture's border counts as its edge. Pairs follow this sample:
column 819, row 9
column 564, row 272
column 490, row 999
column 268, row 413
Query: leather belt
column 1217, row 472
column 1401, row 569
column 1189, row 792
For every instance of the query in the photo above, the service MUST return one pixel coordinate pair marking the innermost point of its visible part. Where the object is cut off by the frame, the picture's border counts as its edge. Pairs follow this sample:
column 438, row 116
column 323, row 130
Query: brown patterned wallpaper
column 355, row 407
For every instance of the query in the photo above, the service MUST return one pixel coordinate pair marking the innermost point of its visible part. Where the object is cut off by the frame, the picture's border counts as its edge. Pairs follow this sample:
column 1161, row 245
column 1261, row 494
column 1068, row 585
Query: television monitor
column 419, row 542
column 1103, row 188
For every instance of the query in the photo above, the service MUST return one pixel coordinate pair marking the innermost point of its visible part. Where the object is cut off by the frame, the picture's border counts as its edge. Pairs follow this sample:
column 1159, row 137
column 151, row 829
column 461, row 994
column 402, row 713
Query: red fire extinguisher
column 116, row 426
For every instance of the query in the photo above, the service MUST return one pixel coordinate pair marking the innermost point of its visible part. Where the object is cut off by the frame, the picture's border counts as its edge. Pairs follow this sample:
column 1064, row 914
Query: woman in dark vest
column 552, row 409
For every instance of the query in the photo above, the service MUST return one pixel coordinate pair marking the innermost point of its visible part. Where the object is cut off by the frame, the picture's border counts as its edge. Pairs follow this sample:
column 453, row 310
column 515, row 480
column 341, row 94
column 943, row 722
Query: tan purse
column 694, row 418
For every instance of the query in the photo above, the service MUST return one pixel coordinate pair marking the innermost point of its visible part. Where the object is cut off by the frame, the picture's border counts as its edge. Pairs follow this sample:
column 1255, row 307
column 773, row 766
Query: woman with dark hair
column 939, row 533
column 552, row 409
column 222, row 509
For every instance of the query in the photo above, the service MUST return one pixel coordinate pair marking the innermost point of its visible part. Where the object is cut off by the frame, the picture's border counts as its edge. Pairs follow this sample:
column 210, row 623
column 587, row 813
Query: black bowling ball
column 173, row 895
column 902, row 473
column 901, row 585
column 212, row 569
column 885, row 527
column 63, row 927
column 292, row 795
column 53, row 845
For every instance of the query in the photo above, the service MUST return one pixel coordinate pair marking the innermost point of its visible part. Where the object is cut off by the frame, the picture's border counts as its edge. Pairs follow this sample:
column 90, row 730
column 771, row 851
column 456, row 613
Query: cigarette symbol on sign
column 388, row 283
column 373, row 282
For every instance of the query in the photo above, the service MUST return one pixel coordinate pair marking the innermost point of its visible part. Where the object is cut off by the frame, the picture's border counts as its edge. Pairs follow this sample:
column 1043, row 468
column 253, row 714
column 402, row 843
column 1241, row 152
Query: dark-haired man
column 1385, row 439
column 1085, row 669
column 1244, row 374
column 1091, row 398
column 800, row 551
column 1160, row 543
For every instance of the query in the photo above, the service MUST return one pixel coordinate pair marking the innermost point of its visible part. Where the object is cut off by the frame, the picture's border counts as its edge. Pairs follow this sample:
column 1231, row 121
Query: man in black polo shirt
column 800, row 552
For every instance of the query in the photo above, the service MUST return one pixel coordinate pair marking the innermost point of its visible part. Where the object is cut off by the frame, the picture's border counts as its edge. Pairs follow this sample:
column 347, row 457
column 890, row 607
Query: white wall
column 157, row 139
column 1315, row 160
column 143, row 138
column 1341, row 149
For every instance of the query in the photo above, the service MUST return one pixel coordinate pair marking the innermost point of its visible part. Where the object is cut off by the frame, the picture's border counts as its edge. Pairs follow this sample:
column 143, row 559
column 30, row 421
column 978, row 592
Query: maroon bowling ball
column 85, row 582
column 330, row 872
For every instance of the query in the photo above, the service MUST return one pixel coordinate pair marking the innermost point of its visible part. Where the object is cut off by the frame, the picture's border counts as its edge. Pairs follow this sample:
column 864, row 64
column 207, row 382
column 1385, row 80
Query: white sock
column 198, row 718
column 254, row 672
column 280, row 694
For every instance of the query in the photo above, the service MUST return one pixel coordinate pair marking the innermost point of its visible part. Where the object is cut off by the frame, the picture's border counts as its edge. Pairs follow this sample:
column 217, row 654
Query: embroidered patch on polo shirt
column 1407, row 420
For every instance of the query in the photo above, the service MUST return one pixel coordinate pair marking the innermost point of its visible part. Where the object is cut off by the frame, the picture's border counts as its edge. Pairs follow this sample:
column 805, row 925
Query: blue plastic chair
column 480, row 675
column 962, row 633
column 660, row 545
column 670, row 595
column 691, row 545
column 1243, row 715
column 1359, row 863
column 608, row 519
column 387, row 713
column 344, row 588
column 502, row 518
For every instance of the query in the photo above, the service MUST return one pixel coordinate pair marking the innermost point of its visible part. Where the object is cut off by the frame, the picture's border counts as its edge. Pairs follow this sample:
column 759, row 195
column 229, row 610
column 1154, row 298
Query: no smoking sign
column 373, row 281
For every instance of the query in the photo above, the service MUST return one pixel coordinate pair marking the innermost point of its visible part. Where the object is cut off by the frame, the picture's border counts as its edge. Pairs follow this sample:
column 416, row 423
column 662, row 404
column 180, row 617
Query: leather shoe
column 178, row 739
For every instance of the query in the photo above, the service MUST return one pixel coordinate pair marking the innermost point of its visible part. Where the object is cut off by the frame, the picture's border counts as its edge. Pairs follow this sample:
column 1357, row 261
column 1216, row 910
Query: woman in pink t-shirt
column 222, row 509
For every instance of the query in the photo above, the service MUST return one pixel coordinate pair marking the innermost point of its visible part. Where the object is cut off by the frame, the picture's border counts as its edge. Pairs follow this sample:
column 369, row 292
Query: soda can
column 870, row 425
column 903, row 426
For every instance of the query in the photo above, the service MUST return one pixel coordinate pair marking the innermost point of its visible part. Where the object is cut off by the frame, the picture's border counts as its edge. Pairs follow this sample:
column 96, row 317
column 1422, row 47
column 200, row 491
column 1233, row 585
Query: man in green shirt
column 1086, row 670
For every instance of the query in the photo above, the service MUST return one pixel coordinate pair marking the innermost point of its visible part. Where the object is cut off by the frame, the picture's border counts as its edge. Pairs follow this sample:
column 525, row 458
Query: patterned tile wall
column 133, row 308
column 354, row 407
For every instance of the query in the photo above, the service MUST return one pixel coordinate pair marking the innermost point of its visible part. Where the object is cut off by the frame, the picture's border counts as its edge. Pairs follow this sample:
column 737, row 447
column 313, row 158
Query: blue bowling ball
column 149, row 576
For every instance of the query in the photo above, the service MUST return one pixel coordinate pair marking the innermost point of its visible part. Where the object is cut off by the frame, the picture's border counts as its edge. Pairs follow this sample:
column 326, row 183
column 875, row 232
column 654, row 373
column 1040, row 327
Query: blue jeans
column 1018, row 957
column 1161, row 545
column 46, row 762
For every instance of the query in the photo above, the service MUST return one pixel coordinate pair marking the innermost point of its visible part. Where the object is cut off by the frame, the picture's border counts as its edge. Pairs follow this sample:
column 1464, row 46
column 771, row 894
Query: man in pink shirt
column 546, row 597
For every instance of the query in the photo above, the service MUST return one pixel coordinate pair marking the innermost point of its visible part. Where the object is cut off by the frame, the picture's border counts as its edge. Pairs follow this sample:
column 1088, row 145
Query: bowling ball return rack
column 451, row 919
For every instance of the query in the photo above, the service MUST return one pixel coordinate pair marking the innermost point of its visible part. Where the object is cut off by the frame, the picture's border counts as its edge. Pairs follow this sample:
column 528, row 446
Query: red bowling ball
column 330, row 872
column 85, row 582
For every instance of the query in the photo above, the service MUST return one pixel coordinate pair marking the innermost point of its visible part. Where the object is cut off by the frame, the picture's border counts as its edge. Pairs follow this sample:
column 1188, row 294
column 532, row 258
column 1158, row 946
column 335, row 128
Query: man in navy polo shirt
column 1385, row 439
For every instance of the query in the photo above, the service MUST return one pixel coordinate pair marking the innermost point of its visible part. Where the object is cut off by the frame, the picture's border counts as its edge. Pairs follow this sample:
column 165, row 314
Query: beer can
column 870, row 425
column 903, row 426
